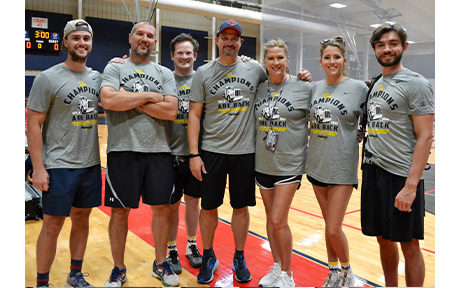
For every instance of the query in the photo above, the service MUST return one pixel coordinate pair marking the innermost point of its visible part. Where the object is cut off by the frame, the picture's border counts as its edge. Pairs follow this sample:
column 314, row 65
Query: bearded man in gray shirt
column 64, row 148
column 400, row 133
column 139, row 97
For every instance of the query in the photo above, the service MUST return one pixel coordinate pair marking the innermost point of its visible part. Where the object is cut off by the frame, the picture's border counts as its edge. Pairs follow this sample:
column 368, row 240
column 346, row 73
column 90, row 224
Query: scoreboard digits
column 42, row 41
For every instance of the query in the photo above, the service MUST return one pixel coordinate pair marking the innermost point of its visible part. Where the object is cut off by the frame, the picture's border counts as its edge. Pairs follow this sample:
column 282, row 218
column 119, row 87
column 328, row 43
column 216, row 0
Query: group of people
column 183, row 132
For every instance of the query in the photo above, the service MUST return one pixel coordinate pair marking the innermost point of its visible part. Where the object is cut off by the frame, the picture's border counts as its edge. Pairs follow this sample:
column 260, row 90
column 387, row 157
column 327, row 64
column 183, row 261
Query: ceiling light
column 375, row 25
column 338, row 5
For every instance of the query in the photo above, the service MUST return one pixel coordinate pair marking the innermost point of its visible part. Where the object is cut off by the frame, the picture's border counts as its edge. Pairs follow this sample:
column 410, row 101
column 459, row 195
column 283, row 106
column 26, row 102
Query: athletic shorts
column 379, row 217
column 184, row 181
column 322, row 184
column 241, row 178
column 265, row 181
column 131, row 175
column 80, row 188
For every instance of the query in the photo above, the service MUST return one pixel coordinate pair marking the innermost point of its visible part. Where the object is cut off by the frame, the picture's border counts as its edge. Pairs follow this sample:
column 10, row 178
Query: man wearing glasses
column 400, row 130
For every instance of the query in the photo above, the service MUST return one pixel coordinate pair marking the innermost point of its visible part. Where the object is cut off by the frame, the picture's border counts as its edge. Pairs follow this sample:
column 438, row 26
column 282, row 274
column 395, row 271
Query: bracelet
column 194, row 155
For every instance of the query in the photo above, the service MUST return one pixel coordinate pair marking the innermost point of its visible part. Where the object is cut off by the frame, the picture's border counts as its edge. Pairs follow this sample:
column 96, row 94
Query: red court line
column 351, row 212
column 426, row 192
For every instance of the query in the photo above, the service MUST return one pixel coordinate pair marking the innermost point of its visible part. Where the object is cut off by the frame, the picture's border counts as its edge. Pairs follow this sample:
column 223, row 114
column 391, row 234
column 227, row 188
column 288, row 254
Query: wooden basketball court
column 309, row 262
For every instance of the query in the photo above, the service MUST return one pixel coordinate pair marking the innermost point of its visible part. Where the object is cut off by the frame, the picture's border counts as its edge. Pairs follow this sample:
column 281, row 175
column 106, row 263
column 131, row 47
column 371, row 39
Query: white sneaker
column 165, row 274
column 284, row 280
column 332, row 280
column 270, row 279
column 347, row 280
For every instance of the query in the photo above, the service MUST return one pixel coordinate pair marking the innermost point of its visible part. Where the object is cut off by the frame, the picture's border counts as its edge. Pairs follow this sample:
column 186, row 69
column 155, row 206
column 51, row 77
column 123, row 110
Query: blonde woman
column 332, row 164
column 281, row 112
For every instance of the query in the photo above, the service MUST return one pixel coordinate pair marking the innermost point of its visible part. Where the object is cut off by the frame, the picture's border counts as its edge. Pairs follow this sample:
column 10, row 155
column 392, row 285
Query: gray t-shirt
column 227, row 93
column 70, row 101
column 178, row 128
column 133, row 130
column 392, row 102
column 333, row 152
column 282, row 108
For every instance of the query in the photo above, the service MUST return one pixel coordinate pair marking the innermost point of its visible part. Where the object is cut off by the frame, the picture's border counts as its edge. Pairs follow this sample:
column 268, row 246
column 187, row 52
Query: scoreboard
column 41, row 40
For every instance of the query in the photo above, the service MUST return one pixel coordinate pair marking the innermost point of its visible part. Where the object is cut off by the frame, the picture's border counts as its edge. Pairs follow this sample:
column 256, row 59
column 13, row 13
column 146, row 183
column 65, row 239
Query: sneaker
column 333, row 279
column 194, row 255
column 347, row 279
column 173, row 261
column 117, row 277
column 284, row 280
column 270, row 279
column 208, row 267
column 77, row 281
column 165, row 274
column 242, row 273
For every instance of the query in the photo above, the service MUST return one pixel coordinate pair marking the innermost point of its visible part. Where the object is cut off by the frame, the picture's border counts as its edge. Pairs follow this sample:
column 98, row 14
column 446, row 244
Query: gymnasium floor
column 309, row 262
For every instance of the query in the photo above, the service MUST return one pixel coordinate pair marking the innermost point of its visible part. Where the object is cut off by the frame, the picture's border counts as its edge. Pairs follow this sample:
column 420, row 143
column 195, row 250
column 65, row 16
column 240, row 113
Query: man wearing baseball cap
column 223, row 91
column 64, row 148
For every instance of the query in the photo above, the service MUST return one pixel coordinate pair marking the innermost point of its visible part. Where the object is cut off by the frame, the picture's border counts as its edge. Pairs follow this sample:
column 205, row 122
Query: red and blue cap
column 230, row 24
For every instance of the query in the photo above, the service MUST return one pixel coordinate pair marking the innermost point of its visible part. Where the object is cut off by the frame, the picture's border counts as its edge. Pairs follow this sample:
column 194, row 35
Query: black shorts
column 80, row 188
column 131, row 175
column 322, row 184
column 184, row 181
column 265, row 181
column 241, row 178
column 379, row 217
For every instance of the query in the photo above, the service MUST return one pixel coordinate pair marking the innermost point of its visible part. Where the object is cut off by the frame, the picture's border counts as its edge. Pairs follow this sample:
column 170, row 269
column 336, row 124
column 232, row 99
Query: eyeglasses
column 325, row 42
column 394, row 25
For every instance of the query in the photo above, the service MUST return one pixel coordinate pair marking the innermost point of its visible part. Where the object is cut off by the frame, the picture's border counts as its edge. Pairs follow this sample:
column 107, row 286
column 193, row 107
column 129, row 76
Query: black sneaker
column 208, row 267
column 242, row 273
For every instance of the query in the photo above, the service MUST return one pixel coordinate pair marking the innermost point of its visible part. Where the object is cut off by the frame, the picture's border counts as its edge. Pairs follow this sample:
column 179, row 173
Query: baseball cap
column 75, row 25
column 230, row 24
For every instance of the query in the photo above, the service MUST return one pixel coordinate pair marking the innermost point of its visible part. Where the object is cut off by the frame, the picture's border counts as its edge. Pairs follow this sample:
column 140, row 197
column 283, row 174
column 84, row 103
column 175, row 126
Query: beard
column 389, row 63
column 231, row 51
column 142, row 53
column 77, row 58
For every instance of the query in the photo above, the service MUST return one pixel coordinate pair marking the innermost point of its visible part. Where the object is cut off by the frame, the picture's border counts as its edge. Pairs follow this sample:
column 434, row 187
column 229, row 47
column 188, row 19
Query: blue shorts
column 80, row 188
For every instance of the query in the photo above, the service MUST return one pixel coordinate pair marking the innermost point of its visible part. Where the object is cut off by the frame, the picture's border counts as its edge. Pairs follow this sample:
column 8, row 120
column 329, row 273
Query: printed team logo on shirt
column 322, row 124
column 379, row 101
column 86, row 115
column 140, row 86
column 322, row 115
column 377, row 124
column 182, row 114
